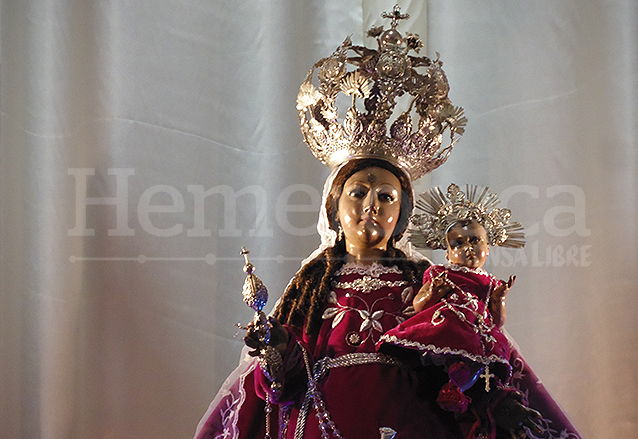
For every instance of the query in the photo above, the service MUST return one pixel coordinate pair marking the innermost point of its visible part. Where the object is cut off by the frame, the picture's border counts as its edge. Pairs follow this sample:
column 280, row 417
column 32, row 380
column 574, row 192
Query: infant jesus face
column 467, row 244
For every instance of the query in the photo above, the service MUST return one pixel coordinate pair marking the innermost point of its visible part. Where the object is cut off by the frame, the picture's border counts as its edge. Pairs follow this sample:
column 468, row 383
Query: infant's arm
column 497, row 301
column 431, row 292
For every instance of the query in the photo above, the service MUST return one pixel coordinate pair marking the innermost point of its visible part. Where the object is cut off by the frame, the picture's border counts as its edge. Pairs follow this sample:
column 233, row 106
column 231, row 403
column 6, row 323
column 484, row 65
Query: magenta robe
column 459, row 326
column 379, row 399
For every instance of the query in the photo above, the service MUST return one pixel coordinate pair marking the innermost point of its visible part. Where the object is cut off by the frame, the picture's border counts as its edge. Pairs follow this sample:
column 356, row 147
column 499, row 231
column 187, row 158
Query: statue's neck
column 365, row 256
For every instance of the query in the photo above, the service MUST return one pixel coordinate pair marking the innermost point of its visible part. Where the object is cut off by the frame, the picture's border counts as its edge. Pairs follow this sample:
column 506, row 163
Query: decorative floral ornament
column 308, row 96
column 356, row 84
column 437, row 212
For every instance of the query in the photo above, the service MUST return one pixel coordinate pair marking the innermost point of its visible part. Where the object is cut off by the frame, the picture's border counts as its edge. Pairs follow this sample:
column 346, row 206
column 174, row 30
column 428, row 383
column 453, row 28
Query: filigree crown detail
column 378, row 78
column 437, row 212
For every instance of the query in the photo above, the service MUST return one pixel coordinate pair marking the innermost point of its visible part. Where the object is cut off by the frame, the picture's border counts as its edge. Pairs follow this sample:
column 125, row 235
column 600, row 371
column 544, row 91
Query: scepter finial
column 248, row 267
column 254, row 291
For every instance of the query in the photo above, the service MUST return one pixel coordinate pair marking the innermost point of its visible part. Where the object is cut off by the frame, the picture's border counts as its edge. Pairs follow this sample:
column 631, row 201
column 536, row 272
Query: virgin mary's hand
column 513, row 416
column 278, row 337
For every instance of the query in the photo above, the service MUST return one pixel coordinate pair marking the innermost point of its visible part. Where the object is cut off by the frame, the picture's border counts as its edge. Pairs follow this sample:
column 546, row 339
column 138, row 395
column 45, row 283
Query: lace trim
column 456, row 267
column 368, row 284
column 374, row 270
column 233, row 403
column 446, row 350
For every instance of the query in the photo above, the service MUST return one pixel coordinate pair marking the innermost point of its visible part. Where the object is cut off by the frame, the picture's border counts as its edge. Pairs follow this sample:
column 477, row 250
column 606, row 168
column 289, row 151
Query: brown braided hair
column 305, row 296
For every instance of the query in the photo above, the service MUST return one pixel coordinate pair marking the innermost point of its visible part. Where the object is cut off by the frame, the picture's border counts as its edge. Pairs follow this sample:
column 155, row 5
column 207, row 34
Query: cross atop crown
column 395, row 16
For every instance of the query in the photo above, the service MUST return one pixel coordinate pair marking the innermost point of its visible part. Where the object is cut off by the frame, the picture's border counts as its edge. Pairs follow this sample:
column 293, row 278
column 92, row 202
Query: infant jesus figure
column 460, row 308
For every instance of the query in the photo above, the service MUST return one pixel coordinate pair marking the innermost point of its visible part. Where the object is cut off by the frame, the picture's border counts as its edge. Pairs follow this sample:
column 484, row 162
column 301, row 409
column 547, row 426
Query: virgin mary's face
column 369, row 208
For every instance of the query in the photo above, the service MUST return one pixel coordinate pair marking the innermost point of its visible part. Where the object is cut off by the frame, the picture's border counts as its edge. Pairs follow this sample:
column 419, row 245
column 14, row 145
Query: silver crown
column 378, row 78
column 439, row 212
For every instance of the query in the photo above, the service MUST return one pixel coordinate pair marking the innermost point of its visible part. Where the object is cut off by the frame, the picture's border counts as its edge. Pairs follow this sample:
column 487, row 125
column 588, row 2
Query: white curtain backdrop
column 144, row 142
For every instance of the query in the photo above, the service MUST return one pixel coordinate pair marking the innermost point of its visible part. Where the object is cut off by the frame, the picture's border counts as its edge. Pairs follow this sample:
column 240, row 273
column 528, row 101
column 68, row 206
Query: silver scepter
column 255, row 296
